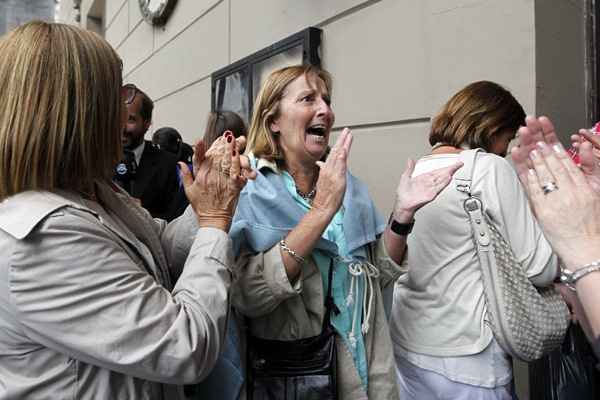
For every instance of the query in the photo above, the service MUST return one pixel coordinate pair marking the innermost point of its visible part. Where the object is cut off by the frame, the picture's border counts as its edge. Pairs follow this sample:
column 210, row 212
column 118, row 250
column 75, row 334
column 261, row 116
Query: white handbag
column 527, row 321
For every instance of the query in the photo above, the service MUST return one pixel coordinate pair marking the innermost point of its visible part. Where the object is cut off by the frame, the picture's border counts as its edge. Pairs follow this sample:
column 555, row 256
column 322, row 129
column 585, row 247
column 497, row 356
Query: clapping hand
column 331, row 185
column 220, row 175
column 586, row 143
column 414, row 192
column 541, row 130
column 562, row 195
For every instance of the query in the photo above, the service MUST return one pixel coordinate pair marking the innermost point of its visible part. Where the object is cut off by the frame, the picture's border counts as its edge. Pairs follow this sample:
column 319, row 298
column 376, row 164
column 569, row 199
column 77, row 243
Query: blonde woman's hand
column 413, row 193
column 219, row 178
column 331, row 184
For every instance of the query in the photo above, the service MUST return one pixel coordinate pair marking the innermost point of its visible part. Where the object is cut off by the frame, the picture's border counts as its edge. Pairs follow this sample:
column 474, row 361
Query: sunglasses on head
column 128, row 93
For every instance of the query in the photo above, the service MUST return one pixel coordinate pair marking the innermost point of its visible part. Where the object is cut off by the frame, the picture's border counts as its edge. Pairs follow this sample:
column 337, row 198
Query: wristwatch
column 399, row 228
column 569, row 278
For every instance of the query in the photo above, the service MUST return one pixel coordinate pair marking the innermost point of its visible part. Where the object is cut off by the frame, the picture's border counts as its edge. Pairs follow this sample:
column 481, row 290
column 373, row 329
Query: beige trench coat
column 88, row 309
column 276, row 309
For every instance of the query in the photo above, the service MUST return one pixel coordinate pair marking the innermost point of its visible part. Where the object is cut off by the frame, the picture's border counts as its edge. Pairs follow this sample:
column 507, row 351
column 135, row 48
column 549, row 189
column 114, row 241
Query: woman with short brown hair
column 443, row 343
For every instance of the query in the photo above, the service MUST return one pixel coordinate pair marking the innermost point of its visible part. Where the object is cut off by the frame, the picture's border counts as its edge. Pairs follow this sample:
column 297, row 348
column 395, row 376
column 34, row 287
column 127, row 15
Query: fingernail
column 229, row 139
column 531, row 172
column 558, row 148
column 541, row 145
column 234, row 152
column 534, row 154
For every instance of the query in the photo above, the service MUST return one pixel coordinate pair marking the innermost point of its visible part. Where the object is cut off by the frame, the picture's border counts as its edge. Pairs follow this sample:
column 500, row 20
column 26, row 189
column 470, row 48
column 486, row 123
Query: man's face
column 136, row 127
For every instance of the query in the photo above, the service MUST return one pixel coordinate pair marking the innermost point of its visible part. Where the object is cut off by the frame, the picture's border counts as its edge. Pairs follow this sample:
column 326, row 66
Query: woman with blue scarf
column 304, row 214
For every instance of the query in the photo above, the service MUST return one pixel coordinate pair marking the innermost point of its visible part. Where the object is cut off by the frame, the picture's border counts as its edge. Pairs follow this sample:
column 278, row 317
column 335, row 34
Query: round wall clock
column 157, row 12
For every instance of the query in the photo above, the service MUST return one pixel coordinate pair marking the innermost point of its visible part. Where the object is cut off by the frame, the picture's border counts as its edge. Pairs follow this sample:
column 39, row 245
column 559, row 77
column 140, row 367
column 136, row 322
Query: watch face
column 157, row 12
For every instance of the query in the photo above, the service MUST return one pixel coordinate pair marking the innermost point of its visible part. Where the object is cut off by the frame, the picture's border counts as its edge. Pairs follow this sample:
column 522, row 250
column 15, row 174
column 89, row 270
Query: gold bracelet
column 299, row 259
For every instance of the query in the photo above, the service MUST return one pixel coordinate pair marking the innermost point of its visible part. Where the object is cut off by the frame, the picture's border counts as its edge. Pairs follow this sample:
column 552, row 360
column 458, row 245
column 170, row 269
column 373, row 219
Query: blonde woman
column 306, row 215
column 90, row 301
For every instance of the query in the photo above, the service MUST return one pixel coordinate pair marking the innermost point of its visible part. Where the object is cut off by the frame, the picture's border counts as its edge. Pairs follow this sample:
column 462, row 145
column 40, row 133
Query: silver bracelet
column 299, row 259
column 571, row 277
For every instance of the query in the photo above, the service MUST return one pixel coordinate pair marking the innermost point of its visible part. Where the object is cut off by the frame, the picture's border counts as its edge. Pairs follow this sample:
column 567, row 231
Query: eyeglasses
column 128, row 93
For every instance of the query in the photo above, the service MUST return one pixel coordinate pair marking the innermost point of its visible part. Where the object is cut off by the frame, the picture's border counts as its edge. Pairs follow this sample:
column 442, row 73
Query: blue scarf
column 266, row 213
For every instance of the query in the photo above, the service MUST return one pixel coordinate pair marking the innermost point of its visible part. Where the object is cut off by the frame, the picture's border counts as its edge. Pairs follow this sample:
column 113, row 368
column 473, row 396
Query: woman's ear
column 274, row 127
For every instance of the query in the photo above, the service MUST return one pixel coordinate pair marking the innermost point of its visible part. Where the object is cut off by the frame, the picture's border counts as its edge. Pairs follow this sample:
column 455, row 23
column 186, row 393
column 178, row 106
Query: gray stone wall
column 16, row 12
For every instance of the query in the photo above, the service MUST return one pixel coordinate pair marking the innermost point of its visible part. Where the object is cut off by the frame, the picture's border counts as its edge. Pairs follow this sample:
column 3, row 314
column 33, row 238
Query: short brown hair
column 60, row 109
column 475, row 115
column 266, row 108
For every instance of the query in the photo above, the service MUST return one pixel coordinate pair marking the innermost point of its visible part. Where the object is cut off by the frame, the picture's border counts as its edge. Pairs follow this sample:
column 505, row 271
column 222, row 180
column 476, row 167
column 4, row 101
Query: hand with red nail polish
column 220, row 175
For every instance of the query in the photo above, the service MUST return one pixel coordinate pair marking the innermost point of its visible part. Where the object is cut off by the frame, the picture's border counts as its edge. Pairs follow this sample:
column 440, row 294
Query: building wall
column 560, row 62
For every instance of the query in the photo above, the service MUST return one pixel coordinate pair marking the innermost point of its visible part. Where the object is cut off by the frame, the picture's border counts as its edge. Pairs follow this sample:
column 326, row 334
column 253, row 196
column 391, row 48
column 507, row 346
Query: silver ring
column 549, row 187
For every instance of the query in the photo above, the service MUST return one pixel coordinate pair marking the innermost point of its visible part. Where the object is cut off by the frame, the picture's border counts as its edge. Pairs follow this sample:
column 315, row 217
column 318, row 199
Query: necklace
column 307, row 196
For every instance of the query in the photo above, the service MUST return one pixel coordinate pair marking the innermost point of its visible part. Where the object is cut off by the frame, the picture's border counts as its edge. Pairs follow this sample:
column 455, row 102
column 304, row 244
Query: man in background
column 146, row 172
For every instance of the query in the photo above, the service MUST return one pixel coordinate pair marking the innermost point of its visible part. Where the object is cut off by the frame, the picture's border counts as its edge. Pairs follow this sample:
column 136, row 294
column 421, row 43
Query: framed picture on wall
column 234, row 87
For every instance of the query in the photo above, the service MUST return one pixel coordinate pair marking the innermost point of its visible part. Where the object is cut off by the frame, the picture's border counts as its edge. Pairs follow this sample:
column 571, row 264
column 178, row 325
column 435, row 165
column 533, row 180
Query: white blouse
column 439, row 306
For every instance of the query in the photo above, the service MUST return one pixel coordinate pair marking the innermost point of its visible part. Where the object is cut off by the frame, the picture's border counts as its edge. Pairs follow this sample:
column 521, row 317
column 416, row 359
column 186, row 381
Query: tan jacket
column 279, row 310
column 87, row 307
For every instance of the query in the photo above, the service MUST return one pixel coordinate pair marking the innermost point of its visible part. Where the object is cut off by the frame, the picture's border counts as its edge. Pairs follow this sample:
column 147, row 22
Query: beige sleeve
column 389, row 270
column 111, row 312
column 261, row 283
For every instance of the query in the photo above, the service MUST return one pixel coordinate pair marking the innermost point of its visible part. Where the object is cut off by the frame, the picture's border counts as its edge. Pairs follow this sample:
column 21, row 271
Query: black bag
column 303, row 369
column 567, row 373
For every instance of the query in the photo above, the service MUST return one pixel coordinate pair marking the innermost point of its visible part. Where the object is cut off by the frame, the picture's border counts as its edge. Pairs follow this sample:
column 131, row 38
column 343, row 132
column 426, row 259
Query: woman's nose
column 324, row 108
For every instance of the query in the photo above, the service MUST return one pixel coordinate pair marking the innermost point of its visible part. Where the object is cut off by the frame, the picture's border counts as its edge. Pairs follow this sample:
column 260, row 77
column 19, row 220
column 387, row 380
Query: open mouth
column 317, row 130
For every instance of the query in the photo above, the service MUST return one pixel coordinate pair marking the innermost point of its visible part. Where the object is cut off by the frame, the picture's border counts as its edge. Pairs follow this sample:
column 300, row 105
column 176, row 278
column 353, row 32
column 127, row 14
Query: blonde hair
column 261, row 141
column 60, row 109
column 475, row 115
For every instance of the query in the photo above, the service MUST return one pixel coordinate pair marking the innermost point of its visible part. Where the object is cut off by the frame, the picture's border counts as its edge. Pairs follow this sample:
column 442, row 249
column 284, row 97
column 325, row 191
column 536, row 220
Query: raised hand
column 240, row 143
column 331, row 184
column 219, row 178
column 414, row 193
column 586, row 143
column 541, row 130
column 565, row 204
column 536, row 130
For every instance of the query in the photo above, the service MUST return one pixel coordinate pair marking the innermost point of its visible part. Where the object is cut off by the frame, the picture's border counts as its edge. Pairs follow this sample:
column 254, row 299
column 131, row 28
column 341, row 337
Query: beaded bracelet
column 299, row 259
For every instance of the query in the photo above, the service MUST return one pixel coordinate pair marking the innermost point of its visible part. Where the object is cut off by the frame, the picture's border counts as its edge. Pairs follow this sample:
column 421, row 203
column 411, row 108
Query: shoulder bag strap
column 473, row 205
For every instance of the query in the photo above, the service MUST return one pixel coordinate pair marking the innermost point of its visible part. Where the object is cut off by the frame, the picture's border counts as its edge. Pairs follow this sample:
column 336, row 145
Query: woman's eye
column 307, row 98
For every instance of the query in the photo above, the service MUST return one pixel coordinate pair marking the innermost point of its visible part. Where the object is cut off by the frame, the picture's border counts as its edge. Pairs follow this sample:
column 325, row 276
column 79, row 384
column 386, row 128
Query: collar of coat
column 21, row 213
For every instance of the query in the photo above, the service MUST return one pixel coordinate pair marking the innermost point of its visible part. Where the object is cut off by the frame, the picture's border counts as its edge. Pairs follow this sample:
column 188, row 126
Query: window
column 234, row 87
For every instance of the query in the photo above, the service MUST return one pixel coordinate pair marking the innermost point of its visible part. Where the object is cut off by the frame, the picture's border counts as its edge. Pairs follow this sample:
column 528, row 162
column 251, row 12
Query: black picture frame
column 310, row 41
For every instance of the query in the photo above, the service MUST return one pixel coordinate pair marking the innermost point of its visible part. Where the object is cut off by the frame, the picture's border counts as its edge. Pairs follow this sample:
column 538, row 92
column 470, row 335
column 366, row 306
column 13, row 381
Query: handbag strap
column 464, row 175
column 473, row 205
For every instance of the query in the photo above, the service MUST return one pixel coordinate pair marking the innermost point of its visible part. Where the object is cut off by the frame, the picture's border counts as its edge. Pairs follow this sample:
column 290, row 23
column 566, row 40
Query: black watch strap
column 400, row 229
